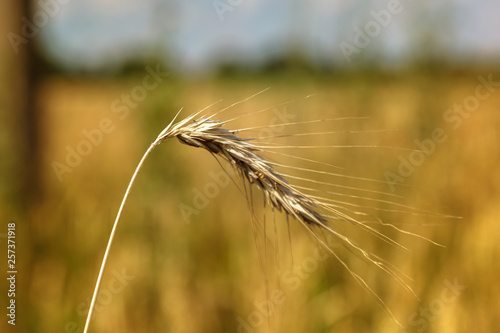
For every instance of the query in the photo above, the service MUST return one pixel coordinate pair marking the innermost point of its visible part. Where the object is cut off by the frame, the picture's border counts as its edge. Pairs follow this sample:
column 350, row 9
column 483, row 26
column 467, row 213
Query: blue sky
column 94, row 33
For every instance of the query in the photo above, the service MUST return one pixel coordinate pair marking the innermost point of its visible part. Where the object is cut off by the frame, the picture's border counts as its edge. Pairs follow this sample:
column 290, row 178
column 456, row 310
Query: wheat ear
column 242, row 155
column 311, row 211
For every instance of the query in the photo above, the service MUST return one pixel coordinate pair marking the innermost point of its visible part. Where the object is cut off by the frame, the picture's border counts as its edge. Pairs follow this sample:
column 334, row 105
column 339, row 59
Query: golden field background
column 206, row 275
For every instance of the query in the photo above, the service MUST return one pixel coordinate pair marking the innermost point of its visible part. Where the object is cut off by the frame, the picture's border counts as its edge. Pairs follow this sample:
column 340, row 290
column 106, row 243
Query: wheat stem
column 112, row 236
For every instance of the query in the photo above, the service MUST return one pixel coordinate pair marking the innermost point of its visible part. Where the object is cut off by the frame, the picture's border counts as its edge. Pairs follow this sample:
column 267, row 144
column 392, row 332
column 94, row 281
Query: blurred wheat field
column 168, row 275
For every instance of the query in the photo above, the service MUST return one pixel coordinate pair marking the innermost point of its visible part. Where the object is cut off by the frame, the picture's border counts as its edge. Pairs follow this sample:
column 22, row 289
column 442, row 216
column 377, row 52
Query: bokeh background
column 67, row 68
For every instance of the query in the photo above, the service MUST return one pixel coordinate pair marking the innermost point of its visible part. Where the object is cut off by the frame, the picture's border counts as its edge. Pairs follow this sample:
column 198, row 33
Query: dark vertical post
column 29, row 116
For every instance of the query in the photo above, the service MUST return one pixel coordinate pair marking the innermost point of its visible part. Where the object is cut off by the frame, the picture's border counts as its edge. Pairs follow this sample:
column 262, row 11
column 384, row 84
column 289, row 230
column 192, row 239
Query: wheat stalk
column 246, row 159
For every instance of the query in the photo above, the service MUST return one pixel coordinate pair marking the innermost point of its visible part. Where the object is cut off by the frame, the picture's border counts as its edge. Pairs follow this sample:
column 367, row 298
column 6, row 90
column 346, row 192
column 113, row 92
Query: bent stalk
column 112, row 236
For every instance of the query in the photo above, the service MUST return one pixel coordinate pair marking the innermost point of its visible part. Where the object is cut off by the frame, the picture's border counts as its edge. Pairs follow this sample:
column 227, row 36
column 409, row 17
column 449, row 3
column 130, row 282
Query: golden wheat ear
column 182, row 131
column 243, row 156
column 300, row 203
